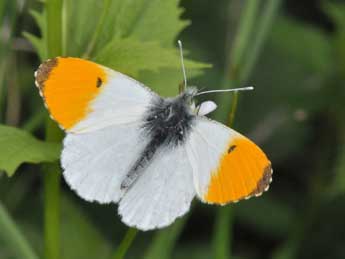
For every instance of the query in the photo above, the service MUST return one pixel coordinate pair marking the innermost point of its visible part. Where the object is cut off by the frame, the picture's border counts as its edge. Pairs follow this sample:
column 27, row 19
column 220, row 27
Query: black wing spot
column 232, row 148
column 99, row 82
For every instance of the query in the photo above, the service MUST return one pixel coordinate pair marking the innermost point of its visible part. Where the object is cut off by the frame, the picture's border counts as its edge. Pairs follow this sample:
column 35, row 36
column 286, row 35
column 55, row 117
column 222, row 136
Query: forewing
column 162, row 193
column 96, row 163
column 226, row 165
column 83, row 96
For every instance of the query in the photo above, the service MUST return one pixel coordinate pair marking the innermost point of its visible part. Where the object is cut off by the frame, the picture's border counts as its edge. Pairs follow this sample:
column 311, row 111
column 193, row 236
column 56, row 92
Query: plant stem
column 14, row 238
column 222, row 239
column 233, row 109
column 52, row 175
column 91, row 45
column 164, row 240
column 239, row 70
column 125, row 243
column 52, row 211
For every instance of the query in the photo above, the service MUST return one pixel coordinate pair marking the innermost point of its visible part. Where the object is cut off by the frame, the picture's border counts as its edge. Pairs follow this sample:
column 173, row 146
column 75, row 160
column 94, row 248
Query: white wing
column 162, row 193
column 101, row 110
column 226, row 165
column 95, row 163
column 123, row 100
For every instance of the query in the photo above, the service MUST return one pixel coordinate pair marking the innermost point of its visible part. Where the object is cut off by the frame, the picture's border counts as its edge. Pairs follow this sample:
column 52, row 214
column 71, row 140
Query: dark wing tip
column 264, row 182
column 43, row 71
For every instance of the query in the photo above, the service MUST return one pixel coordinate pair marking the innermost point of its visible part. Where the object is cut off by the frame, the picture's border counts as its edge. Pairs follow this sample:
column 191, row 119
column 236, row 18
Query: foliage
column 133, row 56
column 18, row 146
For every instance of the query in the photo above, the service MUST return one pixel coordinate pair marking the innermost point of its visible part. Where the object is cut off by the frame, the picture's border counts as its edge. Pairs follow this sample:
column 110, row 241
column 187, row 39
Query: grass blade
column 263, row 28
column 241, row 42
column 13, row 237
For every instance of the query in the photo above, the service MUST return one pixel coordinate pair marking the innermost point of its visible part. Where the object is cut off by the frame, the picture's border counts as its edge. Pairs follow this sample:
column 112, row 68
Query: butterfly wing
column 226, row 165
column 101, row 110
column 95, row 163
column 83, row 96
column 162, row 193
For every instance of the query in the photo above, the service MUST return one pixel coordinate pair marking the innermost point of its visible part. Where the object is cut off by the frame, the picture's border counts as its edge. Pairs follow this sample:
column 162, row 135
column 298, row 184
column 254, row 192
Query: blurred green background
column 293, row 52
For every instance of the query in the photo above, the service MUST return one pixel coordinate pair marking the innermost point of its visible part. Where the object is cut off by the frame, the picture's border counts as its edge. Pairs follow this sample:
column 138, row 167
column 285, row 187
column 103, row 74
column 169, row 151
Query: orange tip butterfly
column 125, row 144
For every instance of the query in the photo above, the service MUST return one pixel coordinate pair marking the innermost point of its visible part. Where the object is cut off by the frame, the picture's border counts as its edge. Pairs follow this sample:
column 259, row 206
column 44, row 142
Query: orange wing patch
column 68, row 85
column 243, row 171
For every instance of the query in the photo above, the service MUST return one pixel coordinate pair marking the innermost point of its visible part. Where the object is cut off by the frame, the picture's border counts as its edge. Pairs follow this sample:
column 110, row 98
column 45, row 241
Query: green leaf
column 164, row 13
column 84, row 15
column 127, row 38
column 130, row 56
column 122, row 19
column 133, row 18
column 18, row 146
column 166, row 80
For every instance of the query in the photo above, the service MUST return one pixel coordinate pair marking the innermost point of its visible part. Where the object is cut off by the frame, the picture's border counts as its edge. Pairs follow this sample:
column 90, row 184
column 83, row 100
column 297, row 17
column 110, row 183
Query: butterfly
column 125, row 144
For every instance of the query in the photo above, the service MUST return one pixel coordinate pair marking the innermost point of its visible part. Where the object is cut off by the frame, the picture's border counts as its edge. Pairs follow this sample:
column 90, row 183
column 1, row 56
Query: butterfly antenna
column 227, row 90
column 182, row 63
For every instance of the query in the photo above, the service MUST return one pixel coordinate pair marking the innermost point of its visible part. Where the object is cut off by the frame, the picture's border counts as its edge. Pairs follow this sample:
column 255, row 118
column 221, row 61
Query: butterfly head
column 189, row 93
column 188, row 98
